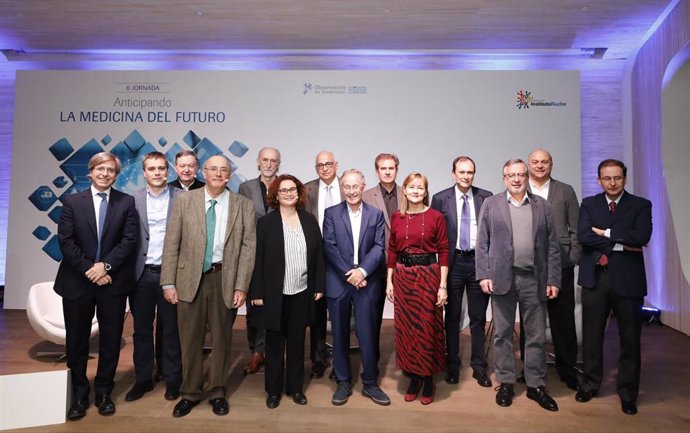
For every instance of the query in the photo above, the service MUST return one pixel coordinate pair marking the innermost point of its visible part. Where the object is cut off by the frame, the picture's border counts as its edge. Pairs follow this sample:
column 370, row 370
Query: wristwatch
column 107, row 266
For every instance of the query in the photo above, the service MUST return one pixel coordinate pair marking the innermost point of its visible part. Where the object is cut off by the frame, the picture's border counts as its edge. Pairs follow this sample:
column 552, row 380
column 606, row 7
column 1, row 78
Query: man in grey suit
column 460, row 205
column 565, row 209
column 322, row 193
column 208, row 258
column 518, row 262
column 256, row 190
column 386, row 197
column 154, row 204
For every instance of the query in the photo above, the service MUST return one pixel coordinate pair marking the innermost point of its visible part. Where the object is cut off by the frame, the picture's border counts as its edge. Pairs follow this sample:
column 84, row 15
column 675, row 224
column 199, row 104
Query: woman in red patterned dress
column 417, row 271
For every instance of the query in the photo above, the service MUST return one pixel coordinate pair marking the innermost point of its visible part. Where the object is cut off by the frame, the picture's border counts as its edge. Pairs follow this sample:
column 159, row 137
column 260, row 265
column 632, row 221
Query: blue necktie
column 465, row 224
column 102, row 211
column 210, row 232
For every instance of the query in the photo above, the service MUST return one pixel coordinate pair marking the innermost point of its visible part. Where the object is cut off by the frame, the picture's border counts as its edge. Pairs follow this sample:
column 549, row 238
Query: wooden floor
column 664, row 403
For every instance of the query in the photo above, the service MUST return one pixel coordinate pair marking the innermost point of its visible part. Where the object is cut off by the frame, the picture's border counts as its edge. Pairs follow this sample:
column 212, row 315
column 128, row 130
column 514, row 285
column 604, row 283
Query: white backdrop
column 426, row 117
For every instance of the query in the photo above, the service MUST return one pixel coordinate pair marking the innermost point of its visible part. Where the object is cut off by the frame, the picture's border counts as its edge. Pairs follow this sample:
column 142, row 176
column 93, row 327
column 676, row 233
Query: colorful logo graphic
column 524, row 99
column 308, row 87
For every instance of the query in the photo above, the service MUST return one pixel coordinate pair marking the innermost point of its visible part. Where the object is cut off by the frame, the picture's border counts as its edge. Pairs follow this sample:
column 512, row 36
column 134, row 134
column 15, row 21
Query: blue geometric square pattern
column 41, row 232
column 61, row 149
column 43, row 198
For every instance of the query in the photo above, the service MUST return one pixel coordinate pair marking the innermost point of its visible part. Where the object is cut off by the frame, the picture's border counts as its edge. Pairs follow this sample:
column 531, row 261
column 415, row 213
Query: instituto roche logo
column 524, row 99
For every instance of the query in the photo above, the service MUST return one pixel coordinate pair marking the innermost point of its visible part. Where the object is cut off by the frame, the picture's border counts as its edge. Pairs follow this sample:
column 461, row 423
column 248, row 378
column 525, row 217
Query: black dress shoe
column 318, row 370
column 220, row 405
column 172, row 392
column 105, row 404
column 571, row 382
column 78, row 410
column 138, row 390
column 505, row 394
column 299, row 398
column 273, row 401
column 452, row 378
column 584, row 395
column 628, row 407
column 542, row 397
column 482, row 378
column 184, row 407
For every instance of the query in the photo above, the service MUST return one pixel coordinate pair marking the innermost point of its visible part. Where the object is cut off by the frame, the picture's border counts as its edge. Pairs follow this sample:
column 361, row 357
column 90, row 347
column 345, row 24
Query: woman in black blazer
column 289, row 276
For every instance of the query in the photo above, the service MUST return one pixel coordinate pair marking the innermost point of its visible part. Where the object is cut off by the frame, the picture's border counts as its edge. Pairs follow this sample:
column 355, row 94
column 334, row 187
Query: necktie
column 465, row 224
column 210, row 231
column 328, row 200
column 102, row 211
column 612, row 207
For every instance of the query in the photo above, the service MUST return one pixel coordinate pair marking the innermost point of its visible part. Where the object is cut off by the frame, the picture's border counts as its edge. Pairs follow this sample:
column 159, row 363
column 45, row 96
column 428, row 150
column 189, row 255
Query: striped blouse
column 295, row 280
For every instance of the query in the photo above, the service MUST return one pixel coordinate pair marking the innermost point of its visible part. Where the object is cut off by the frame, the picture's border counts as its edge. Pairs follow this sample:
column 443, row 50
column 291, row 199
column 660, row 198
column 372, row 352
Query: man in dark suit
column 186, row 167
column 614, row 226
column 565, row 209
column 518, row 262
column 98, row 235
column 353, row 237
column 256, row 190
column 385, row 197
column 460, row 205
column 154, row 205
column 322, row 193
column 208, row 257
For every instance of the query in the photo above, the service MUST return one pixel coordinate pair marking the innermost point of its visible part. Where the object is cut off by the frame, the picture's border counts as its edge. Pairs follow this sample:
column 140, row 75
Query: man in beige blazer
column 208, row 257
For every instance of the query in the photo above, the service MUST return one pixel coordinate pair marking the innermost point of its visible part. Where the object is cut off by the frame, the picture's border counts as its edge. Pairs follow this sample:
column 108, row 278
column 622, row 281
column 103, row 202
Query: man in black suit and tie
column 322, row 193
column 154, row 205
column 614, row 226
column 186, row 167
column 565, row 210
column 460, row 205
column 256, row 190
column 353, row 245
column 98, row 231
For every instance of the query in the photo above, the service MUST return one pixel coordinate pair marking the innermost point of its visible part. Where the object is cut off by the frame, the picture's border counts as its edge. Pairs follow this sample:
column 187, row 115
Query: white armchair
column 44, row 310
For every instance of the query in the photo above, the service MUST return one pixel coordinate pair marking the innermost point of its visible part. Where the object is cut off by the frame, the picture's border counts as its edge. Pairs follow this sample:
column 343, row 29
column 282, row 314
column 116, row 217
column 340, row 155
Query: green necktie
column 210, row 231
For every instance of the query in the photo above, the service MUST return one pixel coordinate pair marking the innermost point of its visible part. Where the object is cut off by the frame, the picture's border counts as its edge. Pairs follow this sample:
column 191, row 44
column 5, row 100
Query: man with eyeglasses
column 353, row 238
column 208, row 257
column 186, row 166
column 98, row 231
column 322, row 193
column 614, row 226
column 518, row 262
column 256, row 190
column 460, row 206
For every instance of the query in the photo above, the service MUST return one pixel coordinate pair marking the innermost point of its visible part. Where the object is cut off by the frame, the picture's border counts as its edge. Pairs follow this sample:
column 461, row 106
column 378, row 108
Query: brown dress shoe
column 256, row 361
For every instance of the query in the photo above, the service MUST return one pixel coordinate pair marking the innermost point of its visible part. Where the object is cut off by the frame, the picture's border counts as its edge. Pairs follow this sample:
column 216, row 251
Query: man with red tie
column 613, row 227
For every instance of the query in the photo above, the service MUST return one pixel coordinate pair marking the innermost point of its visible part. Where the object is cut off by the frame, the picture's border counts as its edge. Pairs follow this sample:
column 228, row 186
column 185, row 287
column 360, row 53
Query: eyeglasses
column 608, row 179
column 222, row 170
column 286, row 191
column 353, row 188
column 512, row 176
column 322, row 165
column 101, row 169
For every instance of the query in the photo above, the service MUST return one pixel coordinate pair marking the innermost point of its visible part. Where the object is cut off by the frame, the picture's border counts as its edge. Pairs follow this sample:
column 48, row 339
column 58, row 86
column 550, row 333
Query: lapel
column 87, row 202
column 198, row 210
column 366, row 214
column 452, row 207
column 379, row 203
column 113, row 201
column 141, row 201
column 536, row 215
column 345, row 217
column 505, row 213
column 233, row 212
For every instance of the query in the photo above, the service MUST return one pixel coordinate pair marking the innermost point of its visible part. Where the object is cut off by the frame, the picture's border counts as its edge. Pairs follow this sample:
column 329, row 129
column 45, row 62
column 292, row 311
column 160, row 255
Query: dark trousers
column 462, row 278
column 147, row 303
column 364, row 302
column 380, row 306
column 110, row 312
column 562, row 324
column 597, row 303
column 317, row 333
column 287, row 344
column 256, row 335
